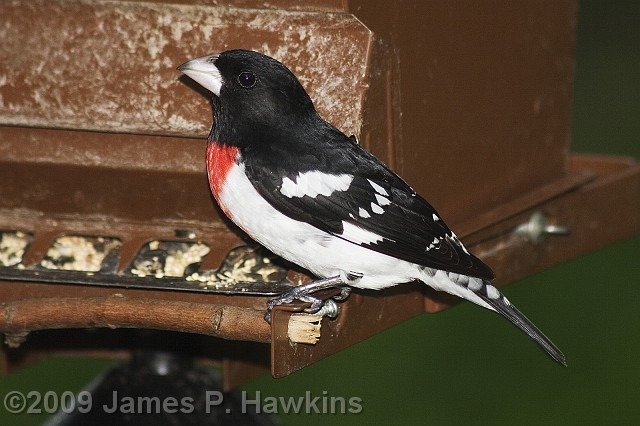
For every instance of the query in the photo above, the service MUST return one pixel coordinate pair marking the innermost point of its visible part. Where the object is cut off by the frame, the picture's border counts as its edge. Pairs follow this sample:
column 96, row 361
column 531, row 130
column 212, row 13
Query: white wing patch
column 358, row 235
column 314, row 183
column 383, row 201
column 433, row 244
column 376, row 208
column 455, row 239
column 380, row 190
column 363, row 213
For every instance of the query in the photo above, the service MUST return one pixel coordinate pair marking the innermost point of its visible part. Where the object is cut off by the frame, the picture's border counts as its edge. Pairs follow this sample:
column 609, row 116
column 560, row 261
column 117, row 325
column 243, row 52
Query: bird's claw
column 344, row 293
column 350, row 278
column 304, row 292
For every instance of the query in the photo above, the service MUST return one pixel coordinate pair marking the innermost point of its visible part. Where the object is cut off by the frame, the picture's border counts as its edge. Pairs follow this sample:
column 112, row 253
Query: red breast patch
column 220, row 159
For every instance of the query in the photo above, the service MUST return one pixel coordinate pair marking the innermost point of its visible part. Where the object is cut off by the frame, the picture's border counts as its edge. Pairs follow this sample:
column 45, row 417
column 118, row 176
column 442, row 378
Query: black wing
column 377, row 200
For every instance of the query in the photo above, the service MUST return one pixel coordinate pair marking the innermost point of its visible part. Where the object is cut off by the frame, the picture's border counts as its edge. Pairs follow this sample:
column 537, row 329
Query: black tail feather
column 510, row 312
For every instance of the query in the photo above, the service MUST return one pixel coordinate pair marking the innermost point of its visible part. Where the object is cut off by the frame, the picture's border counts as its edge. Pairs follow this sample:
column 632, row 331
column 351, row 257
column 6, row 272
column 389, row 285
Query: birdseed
column 242, row 264
column 161, row 259
column 78, row 253
column 12, row 247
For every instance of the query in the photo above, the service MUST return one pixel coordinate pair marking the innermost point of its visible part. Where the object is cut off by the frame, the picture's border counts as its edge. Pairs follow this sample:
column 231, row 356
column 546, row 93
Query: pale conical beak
column 204, row 71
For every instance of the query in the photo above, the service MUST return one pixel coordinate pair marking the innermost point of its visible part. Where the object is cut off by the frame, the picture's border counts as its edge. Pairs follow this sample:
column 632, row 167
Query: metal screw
column 537, row 228
column 329, row 309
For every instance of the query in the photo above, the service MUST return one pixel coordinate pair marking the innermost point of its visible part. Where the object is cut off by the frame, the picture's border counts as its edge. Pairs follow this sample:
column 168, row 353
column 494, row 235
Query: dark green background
column 466, row 366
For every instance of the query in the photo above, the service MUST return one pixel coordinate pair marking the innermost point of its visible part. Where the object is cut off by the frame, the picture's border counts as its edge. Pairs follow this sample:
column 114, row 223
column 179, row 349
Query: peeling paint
column 110, row 66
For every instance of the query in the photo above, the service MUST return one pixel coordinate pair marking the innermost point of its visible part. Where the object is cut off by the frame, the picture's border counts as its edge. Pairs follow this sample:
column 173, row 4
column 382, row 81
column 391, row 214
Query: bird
column 312, row 195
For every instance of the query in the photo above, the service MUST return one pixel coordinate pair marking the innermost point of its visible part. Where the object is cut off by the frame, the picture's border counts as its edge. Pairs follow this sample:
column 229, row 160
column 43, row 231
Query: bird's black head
column 255, row 96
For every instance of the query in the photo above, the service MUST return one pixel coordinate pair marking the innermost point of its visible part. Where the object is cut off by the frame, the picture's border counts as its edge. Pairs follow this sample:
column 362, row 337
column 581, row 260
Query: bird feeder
column 106, row 219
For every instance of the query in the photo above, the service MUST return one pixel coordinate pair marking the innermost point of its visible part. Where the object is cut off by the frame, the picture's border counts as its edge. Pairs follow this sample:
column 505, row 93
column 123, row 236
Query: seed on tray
column 161, row 259
column 12, row 247
column 79, row 253
column 242, row 264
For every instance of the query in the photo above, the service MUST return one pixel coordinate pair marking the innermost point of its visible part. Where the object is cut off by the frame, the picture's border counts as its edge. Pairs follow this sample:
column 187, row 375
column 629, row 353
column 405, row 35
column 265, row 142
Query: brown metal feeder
column 101, row 145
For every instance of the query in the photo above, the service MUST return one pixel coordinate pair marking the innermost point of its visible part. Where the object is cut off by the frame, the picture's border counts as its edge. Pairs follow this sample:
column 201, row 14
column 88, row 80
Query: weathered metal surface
column 110, row 66
column 307, row 5
column 486, row 96
column 586, row 211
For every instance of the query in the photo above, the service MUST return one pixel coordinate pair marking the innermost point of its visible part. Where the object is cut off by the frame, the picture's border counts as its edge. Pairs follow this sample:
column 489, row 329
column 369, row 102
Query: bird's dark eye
column 247, row 79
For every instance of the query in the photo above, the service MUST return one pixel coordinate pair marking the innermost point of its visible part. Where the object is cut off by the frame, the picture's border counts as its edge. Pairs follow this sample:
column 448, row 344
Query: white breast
column 301, row 243
column 321, row 253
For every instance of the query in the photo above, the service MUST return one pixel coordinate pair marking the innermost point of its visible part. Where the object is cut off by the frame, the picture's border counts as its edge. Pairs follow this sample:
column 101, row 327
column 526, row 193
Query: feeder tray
column 106, row 218
column 160, row 265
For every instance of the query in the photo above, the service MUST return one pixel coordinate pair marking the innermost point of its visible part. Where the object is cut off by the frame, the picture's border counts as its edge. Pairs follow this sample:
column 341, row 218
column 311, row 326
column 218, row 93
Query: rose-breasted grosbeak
column 312, row 195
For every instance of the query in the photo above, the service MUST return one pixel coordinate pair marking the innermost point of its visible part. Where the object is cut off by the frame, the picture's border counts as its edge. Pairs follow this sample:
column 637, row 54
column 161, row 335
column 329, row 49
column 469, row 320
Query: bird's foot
column 304, row 293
